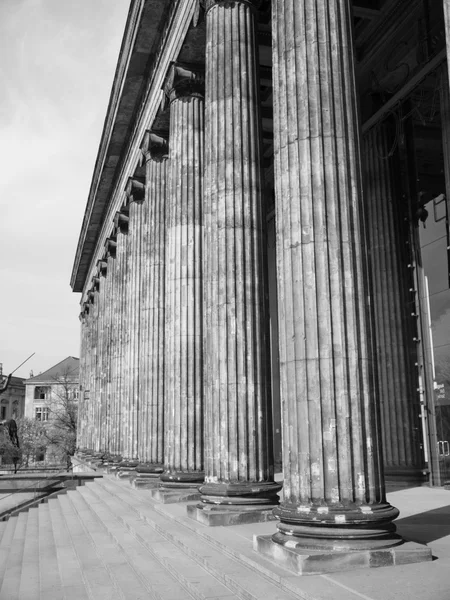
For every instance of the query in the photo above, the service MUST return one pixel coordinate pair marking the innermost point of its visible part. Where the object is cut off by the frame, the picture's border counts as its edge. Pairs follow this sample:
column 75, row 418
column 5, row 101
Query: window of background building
column 3, row 412
column 41, row 392
column 41, row 413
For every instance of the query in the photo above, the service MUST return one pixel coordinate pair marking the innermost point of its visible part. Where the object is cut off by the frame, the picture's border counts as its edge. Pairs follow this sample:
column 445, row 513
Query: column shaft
column 81, row 421
column 135, row 193
column 121, row 404
column 153, row 310
column 93, row 395
column 101, row 378
column 333, row 478
column 238, row 446
column 183, row 310
column 110, row 348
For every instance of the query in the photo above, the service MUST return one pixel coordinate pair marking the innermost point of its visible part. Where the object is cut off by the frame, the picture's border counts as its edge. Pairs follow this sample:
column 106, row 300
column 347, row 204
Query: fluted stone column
column 81, row 422
column 110, row 333
column 155, row 153
column 121, row 414
column 87, row 377
column 135, row 192
column 238, row 430
column 334, row 493
column 93, row 394
column 101, row 377
column 183, row 310
column 394, row 324
column 115, row 335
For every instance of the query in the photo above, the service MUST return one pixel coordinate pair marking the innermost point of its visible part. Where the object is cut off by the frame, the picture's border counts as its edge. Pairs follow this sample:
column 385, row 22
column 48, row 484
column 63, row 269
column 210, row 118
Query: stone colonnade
column 175, row 365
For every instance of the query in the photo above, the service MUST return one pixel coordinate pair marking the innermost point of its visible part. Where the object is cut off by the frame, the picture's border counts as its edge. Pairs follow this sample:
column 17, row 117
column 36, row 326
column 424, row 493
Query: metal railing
column 37, row 487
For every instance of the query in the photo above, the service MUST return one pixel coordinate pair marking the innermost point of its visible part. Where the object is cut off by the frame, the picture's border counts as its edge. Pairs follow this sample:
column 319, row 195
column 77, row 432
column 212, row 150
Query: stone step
column 129, row 528
column 99, row 581
column 50, row 586
column 230, row 572
column 5, row 544
column 29, row 580
column 237, row 542
column 134, row 570
column 11, row 579
column 2, row 528
column 69, row 568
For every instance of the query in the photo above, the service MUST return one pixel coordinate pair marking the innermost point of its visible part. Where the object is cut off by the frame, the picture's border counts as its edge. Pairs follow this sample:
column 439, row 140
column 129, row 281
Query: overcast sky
column 57, row 62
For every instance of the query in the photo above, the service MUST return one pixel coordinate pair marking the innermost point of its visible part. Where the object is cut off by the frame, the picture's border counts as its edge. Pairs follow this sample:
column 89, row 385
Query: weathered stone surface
column 333, row 481
column 238, row 445
column 183, row 394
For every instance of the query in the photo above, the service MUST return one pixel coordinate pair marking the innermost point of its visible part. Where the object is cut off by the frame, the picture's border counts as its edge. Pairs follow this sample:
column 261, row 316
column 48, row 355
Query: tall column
column 110, row 292
column 155, row 153
column 238, row 432
column 394, row 327
column 135, row 192
column 183, row 311
column 102, row 341
column 334, row 493
column 81, row 422
column 121, row 413
column 93, row 391
column 87, row 376
column 114, row 343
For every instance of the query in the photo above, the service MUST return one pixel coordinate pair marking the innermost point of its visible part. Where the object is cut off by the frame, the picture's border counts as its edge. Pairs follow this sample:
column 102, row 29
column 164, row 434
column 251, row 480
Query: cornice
column 140, row 45
column 178, row 22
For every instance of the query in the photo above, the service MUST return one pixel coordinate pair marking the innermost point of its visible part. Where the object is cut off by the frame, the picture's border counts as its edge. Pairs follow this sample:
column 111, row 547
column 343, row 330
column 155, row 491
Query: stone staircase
column 106, row 540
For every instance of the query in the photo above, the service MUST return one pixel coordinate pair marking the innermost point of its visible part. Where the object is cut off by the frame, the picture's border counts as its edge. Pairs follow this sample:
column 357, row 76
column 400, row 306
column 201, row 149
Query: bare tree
column 62, row 405
column 33, row 441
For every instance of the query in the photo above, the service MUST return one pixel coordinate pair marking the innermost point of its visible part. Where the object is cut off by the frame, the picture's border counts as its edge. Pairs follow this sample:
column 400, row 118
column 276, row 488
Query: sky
column 57, row 63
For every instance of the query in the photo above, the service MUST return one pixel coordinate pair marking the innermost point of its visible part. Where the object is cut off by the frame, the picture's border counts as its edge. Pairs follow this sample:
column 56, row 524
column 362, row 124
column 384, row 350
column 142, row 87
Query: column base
column 140, row 481
column 166, row 495
column 314, row 562
column 146, row 476
column 180, row 479
column 262, row 494
column 126, row 468
column 236, row 503
column 222, row 516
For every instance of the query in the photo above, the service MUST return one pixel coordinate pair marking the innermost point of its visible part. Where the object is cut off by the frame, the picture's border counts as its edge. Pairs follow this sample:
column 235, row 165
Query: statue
column 11, row 427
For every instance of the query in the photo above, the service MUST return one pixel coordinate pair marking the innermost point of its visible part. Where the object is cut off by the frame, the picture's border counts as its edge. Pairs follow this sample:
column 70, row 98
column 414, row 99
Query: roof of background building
column 69, row 368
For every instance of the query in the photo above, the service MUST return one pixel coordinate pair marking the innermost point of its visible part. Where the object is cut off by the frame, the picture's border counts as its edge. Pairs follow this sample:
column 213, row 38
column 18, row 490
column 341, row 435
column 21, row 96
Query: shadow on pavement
column 426, row 527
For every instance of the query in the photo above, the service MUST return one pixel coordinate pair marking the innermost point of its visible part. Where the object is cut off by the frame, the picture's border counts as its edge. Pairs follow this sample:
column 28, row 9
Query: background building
column 44, row 390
